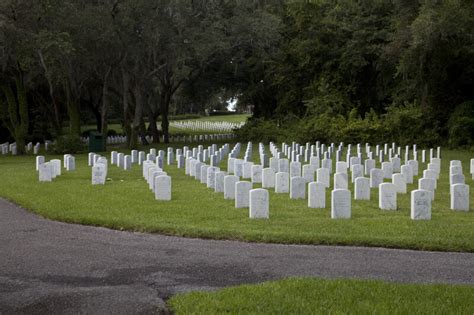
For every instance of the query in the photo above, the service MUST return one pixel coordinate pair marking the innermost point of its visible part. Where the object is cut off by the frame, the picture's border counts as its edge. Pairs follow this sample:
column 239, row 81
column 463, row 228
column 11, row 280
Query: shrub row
column 403, row 125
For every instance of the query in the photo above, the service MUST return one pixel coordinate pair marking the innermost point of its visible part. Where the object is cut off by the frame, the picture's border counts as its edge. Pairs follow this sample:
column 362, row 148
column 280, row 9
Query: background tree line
column 338, row 70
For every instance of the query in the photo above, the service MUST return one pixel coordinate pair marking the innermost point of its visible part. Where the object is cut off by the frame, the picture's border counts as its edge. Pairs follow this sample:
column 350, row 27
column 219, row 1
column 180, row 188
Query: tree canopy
column 71, row 62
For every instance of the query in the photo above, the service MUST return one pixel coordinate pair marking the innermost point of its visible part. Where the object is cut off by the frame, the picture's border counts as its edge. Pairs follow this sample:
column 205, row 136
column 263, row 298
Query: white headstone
column 471, row 169
column 455, row 163
column 134, row 155
column 460, row 197
column 197, row 170
column 314, row 161
column 457, row 179
column 407, row 172
column 163, row 187
column 340, row 204
column 127, row 162
column 242, row 189
column 295, row 169
column 362, row 188
column 155, row 172
column 259, row 204
column 203, row 178
column 369, row 165
column 98, row 174
column 56, row 167
column 256, row 174
column 282, row 182
column 180, row 159
column 341, row 167
column 39, row 161
column 327, row 163
column 229, row 186
column 376, row 177
column 399, row 181
column 308, row 173
column 113, row 157
column 455, row 170
column 387, row 196
column 427, row 184
column 71, row 163
column 268, row 178
column 90, row 159
column 297, row 188
column 230, row 165
column 238, row 167
column 45, row 172
column 420, row 205
column 247, row 170
column 396, row 164
column 284, row 165
column 432, row 175
column 357, row 170
column 120, row 160
column 341, row 181
column 316, row 195
column 322, row 175
column 211, row 177
column 387, row 169
column 219, row 185
column 414, row 166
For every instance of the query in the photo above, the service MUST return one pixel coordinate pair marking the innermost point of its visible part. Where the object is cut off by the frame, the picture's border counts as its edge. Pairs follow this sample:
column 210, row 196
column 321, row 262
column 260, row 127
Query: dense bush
column 68, row 144
column 401, row 124
column 261, row 130
column 461, row 126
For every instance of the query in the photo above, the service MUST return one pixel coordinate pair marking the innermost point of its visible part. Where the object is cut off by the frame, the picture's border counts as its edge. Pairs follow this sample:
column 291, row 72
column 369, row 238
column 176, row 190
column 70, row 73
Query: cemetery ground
column 126, row 203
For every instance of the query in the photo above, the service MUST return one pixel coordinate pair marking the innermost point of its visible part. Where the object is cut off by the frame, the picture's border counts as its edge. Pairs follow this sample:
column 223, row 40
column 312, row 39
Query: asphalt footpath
column 49, row 267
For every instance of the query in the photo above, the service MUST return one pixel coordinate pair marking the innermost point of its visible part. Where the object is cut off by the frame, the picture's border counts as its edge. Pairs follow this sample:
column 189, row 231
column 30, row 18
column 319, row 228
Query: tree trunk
column 17, row 120
column 126, row 107
column 138, row 117
column 73, row 113
column 57, row 117
column 105, row 104
column 165, row 103
column 152, row 125
column 143, row 132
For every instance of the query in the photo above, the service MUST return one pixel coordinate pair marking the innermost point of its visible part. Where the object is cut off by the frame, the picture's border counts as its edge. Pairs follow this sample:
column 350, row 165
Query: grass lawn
column 229, row 118
column 317, row 296
column 125, row 202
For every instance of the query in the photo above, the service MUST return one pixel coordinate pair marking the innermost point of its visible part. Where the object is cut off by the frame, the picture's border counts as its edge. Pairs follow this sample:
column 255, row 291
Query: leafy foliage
column 68, row 144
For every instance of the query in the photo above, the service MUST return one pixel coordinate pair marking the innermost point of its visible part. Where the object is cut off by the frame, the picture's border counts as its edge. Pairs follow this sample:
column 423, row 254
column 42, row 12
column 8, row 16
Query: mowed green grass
column 318, row 296
column 238, row 118
column 125, row 202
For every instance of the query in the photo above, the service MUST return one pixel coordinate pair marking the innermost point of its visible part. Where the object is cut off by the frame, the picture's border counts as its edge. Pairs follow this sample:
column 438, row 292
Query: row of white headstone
column 257, row 200
column 196, row 138
column 158, row 180
column 47, row 171
column 196, row 125
column 297, row 152
column 387, row 191
column 99, row 168
column 173, row 139
column 6, row 148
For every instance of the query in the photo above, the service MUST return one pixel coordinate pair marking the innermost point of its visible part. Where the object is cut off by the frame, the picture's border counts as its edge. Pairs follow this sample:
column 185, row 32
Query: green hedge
column 404, row 125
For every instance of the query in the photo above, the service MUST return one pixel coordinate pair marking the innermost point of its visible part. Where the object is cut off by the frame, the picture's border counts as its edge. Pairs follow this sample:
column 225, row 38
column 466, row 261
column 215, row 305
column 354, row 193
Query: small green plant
column 68, row 144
